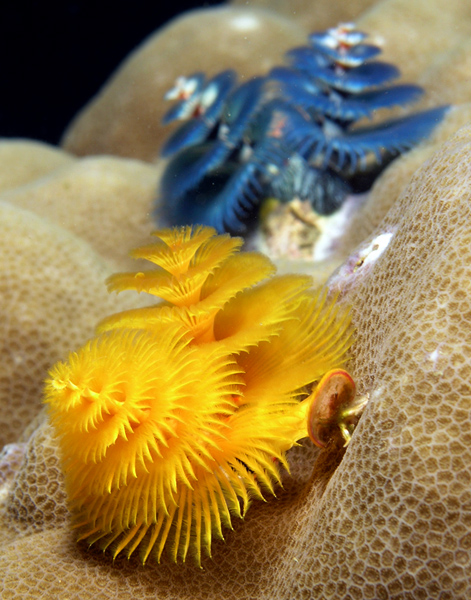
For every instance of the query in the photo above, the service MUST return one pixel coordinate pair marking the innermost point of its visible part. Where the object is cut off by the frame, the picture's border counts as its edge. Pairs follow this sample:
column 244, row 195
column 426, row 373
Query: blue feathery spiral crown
column 288, row 134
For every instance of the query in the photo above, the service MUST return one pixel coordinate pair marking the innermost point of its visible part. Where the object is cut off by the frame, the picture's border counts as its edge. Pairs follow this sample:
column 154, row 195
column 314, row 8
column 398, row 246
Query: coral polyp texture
column 292, row 134
column 175, row 416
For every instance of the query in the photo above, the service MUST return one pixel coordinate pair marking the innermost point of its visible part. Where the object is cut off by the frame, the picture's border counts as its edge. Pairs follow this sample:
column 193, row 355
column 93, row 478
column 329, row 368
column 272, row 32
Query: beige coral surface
column 314, row 15
column 387, row 518
column 393, row 520
column 118, row 192
column 23, row 161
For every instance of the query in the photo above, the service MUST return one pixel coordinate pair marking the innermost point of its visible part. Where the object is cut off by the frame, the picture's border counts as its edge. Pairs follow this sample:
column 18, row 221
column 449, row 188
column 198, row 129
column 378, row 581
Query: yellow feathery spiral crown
column 174, row 416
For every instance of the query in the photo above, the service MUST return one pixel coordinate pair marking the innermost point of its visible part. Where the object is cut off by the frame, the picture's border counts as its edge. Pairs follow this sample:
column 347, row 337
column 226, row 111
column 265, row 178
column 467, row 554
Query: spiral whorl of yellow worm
column 170, row 419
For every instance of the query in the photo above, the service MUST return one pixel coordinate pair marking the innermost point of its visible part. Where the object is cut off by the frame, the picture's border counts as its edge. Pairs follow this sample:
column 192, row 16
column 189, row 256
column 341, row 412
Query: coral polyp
column 292, row 134
column 175, row 416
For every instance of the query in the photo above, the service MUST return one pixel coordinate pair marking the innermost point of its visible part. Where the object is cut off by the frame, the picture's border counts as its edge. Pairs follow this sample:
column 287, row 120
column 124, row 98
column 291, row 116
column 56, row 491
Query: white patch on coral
column 437, row 359
column 360, row 262
column 375, row 248
column 245, row 23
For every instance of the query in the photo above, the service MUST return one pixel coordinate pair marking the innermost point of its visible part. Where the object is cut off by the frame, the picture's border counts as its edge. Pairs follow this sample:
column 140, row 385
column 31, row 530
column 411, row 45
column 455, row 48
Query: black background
column 55, row 57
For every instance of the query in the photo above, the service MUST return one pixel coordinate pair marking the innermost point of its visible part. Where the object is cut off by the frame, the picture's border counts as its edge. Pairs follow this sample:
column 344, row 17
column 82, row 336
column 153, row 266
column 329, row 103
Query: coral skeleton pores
column 175, row 416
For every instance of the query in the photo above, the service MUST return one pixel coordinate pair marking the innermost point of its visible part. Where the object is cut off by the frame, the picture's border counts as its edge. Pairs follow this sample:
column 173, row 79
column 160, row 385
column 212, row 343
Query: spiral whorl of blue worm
column 289, row 134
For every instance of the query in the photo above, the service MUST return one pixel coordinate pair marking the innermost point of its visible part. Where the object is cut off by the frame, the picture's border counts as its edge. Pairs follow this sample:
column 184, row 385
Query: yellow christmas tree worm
column 174, row 416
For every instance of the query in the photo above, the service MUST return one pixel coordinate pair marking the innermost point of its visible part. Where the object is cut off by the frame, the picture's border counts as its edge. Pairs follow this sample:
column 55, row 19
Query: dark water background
column 55, row 56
